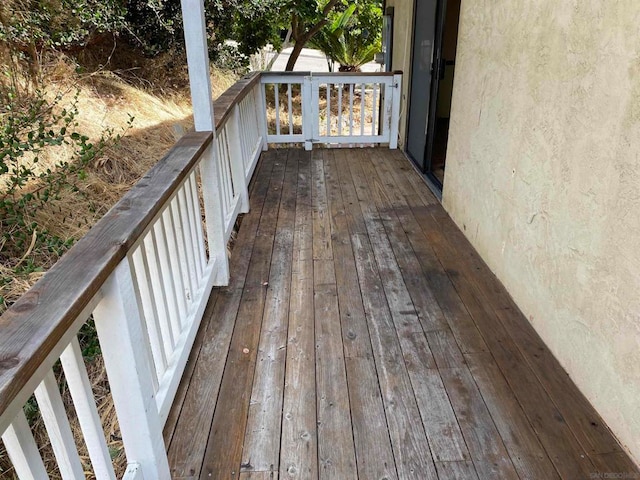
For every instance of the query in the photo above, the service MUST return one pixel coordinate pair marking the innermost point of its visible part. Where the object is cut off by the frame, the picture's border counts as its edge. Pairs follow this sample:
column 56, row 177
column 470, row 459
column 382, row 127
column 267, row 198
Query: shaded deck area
column 363, row 338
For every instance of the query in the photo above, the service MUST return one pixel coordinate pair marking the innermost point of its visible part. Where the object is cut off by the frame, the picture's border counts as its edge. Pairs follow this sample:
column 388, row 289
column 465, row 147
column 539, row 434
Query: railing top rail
column 331, row 74
column 33, row 326
column 223, row 106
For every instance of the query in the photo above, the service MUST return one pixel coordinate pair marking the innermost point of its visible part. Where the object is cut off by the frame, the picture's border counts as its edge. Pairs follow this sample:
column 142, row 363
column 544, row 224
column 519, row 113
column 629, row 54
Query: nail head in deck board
column 298, row 451
column 527, row 454
column 224, row 447
column 189, row 441
column 483, row 440
column 261, row 448
column 457, row 471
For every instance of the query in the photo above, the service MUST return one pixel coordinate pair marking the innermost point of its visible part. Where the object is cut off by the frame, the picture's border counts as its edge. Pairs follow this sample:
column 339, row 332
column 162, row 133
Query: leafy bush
column 353, row 36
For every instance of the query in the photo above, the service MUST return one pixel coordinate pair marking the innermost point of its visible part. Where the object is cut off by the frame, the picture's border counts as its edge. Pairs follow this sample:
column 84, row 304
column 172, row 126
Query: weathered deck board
column 363, row 338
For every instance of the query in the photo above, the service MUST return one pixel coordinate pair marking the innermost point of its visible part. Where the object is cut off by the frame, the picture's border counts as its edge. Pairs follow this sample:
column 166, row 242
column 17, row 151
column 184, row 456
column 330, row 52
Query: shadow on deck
column 363, row 337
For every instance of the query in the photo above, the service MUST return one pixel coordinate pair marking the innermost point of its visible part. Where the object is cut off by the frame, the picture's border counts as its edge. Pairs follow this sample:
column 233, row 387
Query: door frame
column 423, row 165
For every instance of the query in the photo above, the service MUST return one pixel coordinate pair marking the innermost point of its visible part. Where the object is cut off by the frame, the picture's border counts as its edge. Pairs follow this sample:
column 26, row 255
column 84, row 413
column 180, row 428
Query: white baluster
column 237, row 163
column 290, row 108
column 144, row 289
column 351, row 109
column 23, row 451
column 198, row 221
column 156, row 282
column 58, row 428
column 374, row 114
column 276, row 88
column 363, row 103
column 340, row 109
column 80, row 388
column 176, row 247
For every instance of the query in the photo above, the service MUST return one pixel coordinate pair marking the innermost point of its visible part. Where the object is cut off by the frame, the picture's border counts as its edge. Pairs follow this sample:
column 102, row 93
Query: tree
column 353, row 36
column 307, row 19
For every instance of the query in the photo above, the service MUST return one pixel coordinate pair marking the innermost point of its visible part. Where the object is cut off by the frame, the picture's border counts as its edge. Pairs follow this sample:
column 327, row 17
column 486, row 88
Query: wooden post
column 309, row 112
column 395, row 111
column 127, row 356
column 195, row 35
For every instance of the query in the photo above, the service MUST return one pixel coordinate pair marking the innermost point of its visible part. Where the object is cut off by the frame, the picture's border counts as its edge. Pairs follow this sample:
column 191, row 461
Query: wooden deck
column 363, row 338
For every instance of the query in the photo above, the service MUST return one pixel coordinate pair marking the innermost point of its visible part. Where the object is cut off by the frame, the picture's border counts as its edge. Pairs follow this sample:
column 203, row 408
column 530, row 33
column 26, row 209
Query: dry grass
column 107, row 99
column 337, row 123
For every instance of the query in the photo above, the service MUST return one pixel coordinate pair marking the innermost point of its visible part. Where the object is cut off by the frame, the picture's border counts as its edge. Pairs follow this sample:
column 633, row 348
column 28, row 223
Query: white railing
column 144, row 275
column 332, row 108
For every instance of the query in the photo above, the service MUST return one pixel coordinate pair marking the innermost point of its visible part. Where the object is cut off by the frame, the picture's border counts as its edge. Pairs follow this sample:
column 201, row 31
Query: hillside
column 147, row 112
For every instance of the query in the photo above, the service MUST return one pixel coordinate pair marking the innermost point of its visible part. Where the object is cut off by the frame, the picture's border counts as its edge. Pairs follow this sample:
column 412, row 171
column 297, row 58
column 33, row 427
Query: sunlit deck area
column 361, row 336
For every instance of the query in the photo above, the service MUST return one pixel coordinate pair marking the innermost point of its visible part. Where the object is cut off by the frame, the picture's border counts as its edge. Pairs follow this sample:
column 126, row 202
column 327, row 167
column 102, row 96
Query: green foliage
column 353, row 36
column 31, row 127
column 58, row 23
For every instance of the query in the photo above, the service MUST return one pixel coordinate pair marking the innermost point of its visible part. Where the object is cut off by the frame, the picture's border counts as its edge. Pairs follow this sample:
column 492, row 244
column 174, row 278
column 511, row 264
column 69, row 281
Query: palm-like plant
column 347, row 42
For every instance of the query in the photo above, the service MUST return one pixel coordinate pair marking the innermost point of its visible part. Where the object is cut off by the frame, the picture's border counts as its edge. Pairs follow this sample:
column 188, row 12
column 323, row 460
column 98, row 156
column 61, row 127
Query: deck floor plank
column 362, row 337
column 261, row 451
column 336, row 449
column 299, row 442
column 222, row 458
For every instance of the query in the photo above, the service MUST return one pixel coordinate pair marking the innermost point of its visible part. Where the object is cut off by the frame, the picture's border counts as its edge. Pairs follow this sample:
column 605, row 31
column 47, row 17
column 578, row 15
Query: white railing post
column 127, row 360
column 237, row 162
column 396, row 91
column 309, row 112
column 261, row 114
column 195, row 35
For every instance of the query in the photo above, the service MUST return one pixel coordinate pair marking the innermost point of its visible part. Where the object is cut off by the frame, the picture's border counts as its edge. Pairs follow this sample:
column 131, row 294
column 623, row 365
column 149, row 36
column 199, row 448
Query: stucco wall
column 401, row 60
column 543, row 175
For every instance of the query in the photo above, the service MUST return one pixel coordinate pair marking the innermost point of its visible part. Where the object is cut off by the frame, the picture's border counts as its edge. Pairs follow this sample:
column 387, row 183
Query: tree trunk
column 295, row 53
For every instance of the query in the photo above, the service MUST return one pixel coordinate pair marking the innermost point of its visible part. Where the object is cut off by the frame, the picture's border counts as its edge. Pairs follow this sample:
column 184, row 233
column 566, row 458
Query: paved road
column 311, row 60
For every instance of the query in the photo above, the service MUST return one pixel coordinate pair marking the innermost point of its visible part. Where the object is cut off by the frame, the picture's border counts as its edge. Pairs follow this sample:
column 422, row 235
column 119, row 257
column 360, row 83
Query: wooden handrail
column 34, row 325
column 332, row 74
column 223, row 106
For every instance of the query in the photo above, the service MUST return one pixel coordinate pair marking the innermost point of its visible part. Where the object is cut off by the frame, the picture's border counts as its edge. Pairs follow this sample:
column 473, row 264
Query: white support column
column 195, row 34
column 237, row 162
column 124, row 349
column 309, row 113
column 395, row 111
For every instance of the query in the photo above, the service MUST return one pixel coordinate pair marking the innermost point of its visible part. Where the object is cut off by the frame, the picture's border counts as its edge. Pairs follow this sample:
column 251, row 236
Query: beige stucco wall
column 401, row 60
column 543, row 175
